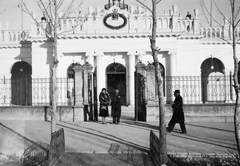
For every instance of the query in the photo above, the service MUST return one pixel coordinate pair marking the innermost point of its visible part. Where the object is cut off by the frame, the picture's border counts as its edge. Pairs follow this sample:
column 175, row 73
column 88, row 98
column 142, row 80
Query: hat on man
column 176, row 91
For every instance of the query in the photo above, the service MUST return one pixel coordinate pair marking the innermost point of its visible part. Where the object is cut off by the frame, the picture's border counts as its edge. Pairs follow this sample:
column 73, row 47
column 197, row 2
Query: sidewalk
column 88, row 143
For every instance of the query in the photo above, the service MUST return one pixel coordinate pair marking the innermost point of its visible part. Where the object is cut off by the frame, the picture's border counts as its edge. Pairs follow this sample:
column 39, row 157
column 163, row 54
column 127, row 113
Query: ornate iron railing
column 194, row 90
column 41, row 91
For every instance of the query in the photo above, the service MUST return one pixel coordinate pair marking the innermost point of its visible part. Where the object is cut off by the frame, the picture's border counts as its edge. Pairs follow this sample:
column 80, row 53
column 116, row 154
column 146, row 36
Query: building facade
column 114, row 40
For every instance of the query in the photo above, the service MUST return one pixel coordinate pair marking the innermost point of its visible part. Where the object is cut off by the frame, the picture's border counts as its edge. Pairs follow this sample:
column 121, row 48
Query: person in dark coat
column 104, row 100
column 116, row 107
column 188, row 16
column 178, row 114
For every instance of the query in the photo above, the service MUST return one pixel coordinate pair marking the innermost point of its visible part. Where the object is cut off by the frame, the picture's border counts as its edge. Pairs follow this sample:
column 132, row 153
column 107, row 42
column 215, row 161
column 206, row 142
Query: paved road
column 94, row 138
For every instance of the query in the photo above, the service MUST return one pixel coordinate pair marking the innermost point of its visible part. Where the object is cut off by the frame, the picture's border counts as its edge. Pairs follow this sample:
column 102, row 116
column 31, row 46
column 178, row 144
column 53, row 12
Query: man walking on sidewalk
column 178, row 114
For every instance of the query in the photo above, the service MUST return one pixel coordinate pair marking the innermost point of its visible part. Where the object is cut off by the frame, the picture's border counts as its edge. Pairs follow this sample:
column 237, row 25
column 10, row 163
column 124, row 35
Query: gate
column 140, row 99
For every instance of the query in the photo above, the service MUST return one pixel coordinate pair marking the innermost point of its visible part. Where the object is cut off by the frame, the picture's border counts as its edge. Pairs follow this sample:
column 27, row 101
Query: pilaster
column 78, row 81
column 196, row 22
column 172, row 64
column 174, row 18
column 131, row 78
column 78, row 89
column 100, row 73
column 87, row 74
column 87, row 91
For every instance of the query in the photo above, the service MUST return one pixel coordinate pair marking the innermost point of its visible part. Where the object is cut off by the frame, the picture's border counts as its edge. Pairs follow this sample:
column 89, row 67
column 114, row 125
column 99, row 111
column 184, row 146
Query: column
column 151, row 83
column 131, row 78
column 78, row 69
column 139, row 23
column 170, row 76
column 90, row 59
column 174, row 18
column 87, row 76
column 100, row 74
column 196, row 22
column 226, row 28
column 171, row 62
column 87, row 70
column 78, row 89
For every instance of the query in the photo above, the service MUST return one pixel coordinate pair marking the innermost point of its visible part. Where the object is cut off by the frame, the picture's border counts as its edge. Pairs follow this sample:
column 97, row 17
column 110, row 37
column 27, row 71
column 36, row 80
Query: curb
column 201, row 155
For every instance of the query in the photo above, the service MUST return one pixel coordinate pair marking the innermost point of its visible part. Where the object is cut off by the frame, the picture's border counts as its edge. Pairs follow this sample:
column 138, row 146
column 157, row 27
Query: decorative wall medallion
column 115, row 20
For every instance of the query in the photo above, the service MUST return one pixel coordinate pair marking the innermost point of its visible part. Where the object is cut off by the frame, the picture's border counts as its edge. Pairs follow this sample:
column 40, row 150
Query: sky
column 13, row 13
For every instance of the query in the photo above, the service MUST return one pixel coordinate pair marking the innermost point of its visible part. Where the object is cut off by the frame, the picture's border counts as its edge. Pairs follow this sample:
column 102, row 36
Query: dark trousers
column 172, row 123
column 116, row 119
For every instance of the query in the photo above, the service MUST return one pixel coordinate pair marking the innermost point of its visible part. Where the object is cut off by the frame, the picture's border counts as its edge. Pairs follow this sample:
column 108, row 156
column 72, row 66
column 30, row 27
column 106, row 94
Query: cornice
column 105, row 36
column 190, row 37
column 10, row 46
column 213, row 41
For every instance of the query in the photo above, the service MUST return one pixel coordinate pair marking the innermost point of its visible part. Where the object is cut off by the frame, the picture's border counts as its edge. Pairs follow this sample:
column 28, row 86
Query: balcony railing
column 138, row 21
column 11, row 36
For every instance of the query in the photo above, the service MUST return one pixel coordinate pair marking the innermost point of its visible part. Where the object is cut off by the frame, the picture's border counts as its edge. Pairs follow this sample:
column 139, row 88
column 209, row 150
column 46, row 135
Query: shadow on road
column 102, row 135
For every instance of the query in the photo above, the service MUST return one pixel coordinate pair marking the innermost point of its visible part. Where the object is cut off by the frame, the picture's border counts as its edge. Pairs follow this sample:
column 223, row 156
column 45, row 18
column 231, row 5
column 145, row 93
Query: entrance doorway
column 21, row 84
column 116, row 78
column 213, row 80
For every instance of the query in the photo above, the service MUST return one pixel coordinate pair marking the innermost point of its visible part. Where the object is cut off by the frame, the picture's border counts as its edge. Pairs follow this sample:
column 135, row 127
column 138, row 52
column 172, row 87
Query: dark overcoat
column 178, row 114
column 116, row 105
column 104, row 100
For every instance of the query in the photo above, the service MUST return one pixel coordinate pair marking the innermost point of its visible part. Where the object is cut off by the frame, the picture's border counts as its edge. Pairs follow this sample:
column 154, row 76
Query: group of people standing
column 115, row 101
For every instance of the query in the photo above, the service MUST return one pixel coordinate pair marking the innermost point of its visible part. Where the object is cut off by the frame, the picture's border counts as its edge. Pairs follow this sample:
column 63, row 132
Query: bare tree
column 162, row 125
column 232, row 38
column 53, row 11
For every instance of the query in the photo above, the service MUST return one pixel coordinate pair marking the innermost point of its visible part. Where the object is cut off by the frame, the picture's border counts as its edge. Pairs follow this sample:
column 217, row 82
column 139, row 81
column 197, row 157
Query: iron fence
column 194, row 90
column 41, row 91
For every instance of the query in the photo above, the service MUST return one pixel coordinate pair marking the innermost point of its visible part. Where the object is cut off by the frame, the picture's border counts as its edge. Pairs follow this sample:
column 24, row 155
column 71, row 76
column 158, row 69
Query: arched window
column 115, row 68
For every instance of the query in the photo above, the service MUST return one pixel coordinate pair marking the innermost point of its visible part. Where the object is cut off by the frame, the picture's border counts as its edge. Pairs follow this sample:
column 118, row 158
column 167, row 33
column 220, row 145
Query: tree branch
column 142, row 3
column 203, row 6
column 218, row 9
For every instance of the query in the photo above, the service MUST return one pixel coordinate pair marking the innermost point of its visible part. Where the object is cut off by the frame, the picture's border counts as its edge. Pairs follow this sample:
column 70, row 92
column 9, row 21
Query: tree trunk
column 54, row 72
column 235, row 77
column 162, row 124
column 237, row 121
column 54, row 101
column 237, row 103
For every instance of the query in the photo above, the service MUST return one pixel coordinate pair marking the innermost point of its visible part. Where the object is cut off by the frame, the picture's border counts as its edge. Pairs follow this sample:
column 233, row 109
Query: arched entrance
column 21, row 84
column 116, row 78
column 213, row 80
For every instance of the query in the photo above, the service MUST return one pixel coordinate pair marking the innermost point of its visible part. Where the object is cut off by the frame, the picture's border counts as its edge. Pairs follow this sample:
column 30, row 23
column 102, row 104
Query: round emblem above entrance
column 115, row 20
